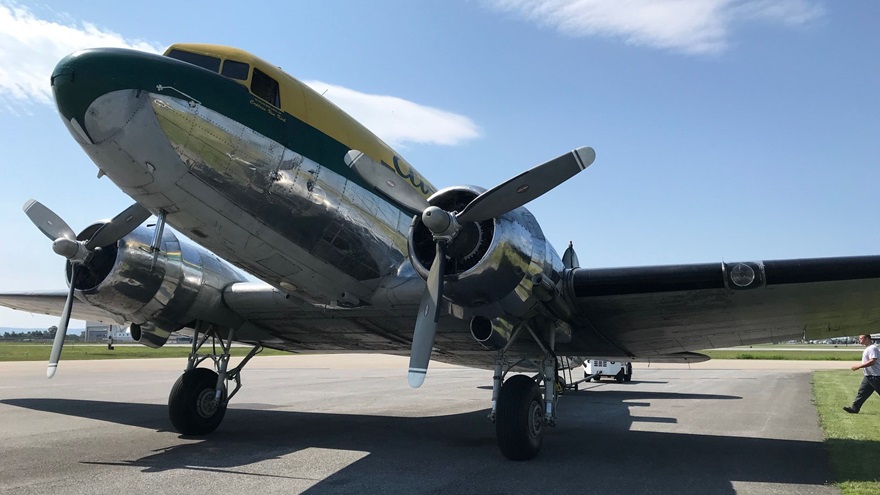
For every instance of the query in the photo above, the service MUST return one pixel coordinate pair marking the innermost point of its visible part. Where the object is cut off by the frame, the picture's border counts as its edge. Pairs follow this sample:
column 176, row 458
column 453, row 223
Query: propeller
column 78, row 253
column 445, row 226
column 385, row 180
column 570, row 258
column 426, row 322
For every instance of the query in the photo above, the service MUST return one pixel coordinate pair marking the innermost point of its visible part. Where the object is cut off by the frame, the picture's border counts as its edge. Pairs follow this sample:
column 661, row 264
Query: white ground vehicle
column 597, row 368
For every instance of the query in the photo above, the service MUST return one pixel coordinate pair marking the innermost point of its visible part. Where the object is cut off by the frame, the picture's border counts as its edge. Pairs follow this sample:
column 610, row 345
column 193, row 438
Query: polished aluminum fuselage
column 265, row 208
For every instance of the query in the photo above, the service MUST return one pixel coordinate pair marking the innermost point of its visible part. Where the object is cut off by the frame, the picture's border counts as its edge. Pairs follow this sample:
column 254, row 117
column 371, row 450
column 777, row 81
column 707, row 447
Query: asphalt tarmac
column 350, row 424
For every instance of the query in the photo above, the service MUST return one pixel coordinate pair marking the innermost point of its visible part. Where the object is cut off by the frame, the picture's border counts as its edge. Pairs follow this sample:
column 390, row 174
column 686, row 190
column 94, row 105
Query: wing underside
column 649, row 312
column 52, row 303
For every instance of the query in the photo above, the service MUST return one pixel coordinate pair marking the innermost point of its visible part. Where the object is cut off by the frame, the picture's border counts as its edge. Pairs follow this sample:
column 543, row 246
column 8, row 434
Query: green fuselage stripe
column 126, row 69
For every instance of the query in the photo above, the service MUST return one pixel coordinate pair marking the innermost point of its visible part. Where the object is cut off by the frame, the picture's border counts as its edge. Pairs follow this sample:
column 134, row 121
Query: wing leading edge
column 52, row 303
column 649, row 312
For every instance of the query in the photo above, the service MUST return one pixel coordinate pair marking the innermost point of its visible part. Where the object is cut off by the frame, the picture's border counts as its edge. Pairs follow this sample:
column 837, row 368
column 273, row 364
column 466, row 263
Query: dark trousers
column 869, row 385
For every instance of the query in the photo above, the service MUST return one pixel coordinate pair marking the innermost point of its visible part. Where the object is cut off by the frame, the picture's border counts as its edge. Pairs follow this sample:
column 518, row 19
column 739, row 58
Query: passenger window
column 265, row 87
column 203, row 61
column 235, row 70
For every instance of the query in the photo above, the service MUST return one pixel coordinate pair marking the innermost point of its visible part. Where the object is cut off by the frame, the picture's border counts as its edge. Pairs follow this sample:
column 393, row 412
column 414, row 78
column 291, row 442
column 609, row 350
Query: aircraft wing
column 649, row 312
column 52, row 303
column 652, row 313
column 283, row 321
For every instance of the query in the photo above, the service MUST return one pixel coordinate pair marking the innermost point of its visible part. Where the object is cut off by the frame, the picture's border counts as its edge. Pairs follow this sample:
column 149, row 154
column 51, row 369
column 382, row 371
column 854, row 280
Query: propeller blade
column 426, row 323
column 570, row 258
column 121, row 225
column 47, row 221
column 526, row 186
column 55, row 355
column 385, row 179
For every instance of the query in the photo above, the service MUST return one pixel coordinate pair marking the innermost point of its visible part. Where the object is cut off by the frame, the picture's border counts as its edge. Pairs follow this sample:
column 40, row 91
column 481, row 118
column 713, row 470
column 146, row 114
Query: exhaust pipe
column 492, row 334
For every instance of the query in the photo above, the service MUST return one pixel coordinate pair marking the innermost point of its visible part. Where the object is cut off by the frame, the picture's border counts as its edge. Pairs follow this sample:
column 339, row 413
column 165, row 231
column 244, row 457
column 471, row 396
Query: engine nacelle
column 492, row 264
column 157, row 292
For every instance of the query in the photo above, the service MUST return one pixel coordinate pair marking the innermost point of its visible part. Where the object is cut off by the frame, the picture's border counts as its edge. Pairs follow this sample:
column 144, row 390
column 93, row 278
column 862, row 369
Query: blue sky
column 724, row 129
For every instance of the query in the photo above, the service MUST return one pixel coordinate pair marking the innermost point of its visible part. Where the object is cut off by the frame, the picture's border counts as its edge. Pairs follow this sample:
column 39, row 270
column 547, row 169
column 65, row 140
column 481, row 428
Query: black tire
column 191, row 403
column 519, row 423
column 596, row 378
column 628, row 376
column 619, row 376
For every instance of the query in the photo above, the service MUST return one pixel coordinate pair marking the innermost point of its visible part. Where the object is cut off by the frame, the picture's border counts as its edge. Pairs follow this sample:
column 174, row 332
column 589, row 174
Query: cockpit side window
column 203, row 61
column 265, row 87
column 235, row 70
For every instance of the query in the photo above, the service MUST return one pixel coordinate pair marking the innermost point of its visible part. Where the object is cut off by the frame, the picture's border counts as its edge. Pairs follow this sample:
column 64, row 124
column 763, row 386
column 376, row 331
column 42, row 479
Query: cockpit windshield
column 235, row 70
column 259, row 82
column 203, row 61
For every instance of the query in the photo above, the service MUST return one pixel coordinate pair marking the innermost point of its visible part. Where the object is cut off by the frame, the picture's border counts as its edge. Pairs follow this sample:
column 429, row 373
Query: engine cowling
column 492, row 265
column 158, row 293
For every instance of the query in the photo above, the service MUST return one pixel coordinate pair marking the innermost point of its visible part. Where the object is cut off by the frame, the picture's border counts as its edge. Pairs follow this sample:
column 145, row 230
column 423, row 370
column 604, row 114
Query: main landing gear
column 519, row 410
column 198, row 399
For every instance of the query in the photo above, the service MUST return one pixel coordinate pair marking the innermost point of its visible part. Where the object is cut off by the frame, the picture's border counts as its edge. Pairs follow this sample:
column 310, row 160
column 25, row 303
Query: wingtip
column 416, row 377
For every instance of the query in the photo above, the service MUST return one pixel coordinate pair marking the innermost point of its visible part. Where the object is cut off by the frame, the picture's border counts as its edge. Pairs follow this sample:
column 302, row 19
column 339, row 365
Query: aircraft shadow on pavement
column 592, row 447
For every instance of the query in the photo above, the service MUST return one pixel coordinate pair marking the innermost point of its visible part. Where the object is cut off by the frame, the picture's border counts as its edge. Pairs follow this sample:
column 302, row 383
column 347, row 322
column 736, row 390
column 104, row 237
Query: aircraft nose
column 84, row 76
column 75, row 83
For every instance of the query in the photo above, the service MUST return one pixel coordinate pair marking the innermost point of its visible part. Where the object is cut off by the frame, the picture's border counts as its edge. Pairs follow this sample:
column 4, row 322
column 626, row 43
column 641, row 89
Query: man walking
column 871, row 381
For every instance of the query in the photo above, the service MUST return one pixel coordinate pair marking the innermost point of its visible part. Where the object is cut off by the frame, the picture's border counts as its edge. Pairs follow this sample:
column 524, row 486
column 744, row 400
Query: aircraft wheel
column 191, row 405
column 628, row 376
column 519, row 424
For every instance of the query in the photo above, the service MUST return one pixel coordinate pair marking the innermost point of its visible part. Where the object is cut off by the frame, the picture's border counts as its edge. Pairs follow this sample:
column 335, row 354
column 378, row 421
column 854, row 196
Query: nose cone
column 76, row 82
column 84, row 76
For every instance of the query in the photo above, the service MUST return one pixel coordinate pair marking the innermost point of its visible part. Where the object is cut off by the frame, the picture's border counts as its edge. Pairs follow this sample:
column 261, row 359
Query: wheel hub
column 206, row 406
column 536, row 419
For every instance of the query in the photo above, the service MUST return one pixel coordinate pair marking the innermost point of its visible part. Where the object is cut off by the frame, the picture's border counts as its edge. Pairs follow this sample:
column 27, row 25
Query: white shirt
column 871, row 352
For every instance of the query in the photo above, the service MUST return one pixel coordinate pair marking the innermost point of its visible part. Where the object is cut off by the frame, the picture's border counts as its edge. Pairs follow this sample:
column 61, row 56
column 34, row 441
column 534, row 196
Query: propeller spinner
column 78, row 253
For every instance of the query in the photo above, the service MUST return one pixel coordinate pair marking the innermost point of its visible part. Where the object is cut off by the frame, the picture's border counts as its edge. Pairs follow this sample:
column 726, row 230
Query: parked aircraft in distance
column 357, row 251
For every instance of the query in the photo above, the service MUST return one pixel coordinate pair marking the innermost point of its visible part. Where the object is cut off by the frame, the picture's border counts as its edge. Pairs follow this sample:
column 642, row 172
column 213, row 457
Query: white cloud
column 30, row 47
column 689, row 26
column 398, row 121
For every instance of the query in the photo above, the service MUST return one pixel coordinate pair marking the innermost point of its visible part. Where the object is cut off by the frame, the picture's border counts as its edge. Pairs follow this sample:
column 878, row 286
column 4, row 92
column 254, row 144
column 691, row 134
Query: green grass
column 15, row 351
column 812, row 346
column 40, row 352
column 855, row 355
column 852, row 440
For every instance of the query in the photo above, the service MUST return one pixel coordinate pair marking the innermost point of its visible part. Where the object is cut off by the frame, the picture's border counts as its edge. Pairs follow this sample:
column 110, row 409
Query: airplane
column 296, row 228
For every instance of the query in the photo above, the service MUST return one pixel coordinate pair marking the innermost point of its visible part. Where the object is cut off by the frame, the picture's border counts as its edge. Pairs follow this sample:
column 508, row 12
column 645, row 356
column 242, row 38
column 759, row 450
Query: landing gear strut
column 198, row 400
column 519, row 411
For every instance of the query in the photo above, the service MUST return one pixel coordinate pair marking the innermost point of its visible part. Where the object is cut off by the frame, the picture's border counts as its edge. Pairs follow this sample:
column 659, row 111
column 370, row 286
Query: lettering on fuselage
column 268, row 109
column 409, row 175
